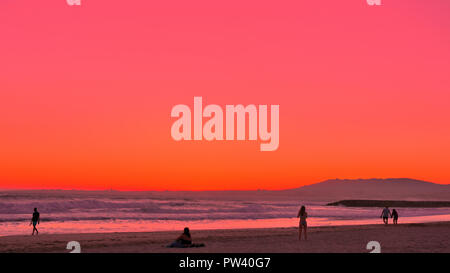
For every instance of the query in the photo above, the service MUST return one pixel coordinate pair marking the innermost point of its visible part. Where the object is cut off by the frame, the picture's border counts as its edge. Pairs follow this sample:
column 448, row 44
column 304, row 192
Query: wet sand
column 427, row 237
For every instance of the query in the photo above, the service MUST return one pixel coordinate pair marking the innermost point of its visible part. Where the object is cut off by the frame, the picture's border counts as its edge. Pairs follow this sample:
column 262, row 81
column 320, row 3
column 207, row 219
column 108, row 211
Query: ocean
column 75, row 212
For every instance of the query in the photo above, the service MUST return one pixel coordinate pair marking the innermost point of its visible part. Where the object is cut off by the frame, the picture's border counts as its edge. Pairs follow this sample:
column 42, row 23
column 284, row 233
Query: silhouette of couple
column 386, row 213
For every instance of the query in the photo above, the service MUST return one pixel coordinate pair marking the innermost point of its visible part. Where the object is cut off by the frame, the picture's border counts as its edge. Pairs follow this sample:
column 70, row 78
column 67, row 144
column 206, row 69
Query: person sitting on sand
column 35, row 220
column 394, row 215
column 303, row 215
column 385, row 214
column 184, row 240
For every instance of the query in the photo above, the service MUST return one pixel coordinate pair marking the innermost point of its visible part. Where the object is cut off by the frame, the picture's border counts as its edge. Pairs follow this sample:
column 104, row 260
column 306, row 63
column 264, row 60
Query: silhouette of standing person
column 302, row 225
column 385, row 214
column 35, row 220
column 394, row 216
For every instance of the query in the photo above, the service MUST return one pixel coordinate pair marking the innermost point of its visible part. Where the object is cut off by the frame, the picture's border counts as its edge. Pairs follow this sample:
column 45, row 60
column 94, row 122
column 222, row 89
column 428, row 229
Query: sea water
column 75, row 213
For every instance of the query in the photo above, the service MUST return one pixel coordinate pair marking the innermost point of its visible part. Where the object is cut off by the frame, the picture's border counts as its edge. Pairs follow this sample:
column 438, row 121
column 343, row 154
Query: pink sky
column 86, row 92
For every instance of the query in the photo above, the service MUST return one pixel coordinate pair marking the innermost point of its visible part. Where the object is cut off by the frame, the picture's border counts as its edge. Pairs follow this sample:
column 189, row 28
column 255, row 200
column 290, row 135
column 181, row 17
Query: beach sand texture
column 429, row 237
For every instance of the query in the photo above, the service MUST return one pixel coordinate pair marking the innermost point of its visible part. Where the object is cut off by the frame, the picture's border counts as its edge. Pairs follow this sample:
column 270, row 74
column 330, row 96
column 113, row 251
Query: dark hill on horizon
column 375, row 189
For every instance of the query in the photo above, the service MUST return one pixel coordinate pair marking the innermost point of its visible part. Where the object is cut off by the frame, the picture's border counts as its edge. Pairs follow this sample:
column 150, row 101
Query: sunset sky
column 86, row 91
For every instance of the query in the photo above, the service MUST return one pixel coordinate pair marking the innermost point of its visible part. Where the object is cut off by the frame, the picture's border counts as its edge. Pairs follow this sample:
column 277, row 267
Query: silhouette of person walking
column 394, row 215
column 385, row 214
column 35, row 220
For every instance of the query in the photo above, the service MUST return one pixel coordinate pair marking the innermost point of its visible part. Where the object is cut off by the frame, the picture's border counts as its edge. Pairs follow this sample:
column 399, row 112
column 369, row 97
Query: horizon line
column 206, row 190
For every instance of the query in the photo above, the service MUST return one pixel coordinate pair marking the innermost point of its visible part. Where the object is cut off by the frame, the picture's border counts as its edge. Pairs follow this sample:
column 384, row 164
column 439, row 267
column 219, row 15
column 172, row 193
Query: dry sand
column 429, row 237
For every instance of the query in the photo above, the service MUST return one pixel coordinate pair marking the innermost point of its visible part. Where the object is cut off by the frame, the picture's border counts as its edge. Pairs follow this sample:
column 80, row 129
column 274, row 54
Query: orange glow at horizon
column 86, row 92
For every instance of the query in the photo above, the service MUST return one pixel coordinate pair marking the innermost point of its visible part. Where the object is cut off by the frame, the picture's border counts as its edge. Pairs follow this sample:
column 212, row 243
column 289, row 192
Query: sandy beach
column 427, row 237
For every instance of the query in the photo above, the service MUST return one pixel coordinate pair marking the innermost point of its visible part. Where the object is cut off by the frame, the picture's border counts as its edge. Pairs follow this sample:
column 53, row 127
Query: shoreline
column 117, row 226
column 413, row 237
column 364, row 203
